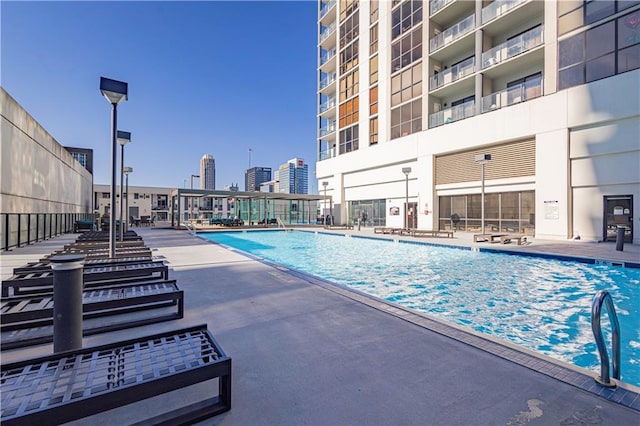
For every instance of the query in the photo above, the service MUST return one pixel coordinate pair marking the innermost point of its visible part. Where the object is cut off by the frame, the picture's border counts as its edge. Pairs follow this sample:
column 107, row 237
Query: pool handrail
column 602, row 297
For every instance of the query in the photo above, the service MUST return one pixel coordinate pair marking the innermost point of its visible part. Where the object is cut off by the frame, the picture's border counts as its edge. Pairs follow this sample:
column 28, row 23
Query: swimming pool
column 538, row 303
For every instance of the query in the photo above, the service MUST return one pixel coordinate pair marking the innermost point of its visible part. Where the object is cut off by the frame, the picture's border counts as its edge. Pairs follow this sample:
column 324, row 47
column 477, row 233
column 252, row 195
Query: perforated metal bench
column 72, row 385
column 42, row 280
column 46, row 264
column 28, row 320
column 83, row 245
column 103, row 253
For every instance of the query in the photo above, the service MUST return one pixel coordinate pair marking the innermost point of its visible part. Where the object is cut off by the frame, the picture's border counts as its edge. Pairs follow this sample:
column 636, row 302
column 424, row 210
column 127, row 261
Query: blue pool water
column 541, row 304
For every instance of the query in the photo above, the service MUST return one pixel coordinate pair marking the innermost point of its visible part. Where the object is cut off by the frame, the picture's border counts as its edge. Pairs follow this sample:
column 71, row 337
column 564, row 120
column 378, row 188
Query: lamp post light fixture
column 406, row 171
column 127, row 170
column 324, row 217
column 191, row 197
column 116, row 92
column 482, row 159
column 123, row 139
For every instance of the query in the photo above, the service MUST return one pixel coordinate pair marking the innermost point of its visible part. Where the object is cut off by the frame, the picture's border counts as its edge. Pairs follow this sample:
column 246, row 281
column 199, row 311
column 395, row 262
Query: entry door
column 618, row 211
column 412, row 216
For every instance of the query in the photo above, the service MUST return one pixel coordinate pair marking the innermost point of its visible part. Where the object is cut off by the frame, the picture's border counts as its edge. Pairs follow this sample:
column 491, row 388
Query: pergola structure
column 250, row 207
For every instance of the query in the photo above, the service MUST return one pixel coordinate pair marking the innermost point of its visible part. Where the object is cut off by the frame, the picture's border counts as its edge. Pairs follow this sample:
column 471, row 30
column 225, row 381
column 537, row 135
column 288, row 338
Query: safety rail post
column 603, row 297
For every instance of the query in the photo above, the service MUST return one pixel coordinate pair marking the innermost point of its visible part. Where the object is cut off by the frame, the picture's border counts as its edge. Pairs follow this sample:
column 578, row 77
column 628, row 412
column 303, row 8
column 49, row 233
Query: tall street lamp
column 406, row 171
column 324, row 217
column 482, row 159
column 191, row 197
column 127, row 170
column 115, row 92
column 123, row 139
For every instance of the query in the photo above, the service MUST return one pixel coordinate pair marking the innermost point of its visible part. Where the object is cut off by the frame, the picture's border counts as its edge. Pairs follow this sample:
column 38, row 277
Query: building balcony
column 527, row 41
column 327, row 80
column 453, row 33
column 497, row 8
column 512, row 95
column 327, row 105
column 436, row 5
column 326, row 56
column 456, row 113
column 452, row 74
column 328, row 153
column 328, row 129
column 328, row 34
column 326, row 8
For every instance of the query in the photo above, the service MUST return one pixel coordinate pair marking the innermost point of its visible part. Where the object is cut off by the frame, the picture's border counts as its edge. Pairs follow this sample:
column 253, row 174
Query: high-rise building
column 255, row 176
column 293, row 177
column 207, row 172
column 415, row 97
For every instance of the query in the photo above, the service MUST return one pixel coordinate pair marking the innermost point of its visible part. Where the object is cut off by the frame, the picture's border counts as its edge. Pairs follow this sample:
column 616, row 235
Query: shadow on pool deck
column 307, row 352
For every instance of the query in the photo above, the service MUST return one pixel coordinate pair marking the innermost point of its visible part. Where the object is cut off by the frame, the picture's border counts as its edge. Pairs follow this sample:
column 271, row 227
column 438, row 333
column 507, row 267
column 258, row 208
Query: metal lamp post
column 115, row 92
column 482, row 160
column 324, row 217
column 191, row 197
column 123, row 139
column 406, row 171
column 127, row 170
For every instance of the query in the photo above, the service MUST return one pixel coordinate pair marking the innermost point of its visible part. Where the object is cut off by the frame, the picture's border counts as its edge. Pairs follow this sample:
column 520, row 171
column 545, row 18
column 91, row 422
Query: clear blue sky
column 204, row 78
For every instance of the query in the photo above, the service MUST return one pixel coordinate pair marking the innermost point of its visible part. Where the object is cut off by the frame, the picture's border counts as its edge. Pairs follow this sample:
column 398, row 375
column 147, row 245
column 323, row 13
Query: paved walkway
column 305, row 352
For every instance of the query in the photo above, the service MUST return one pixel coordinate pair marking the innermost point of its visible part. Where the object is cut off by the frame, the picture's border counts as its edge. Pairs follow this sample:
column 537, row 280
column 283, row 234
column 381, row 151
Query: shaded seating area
column 35, row 391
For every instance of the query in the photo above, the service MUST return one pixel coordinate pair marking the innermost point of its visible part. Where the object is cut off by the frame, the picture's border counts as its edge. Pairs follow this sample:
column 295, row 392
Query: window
column 573, row 14
column 592, row 55
column 373, row 131
column 373, row 37
column 349, row 57
column 106, row 195
column 347, row 7
column 349, row 139
column 373, row 100
column 373, row 70
column 374, row 11
column 406, row 85
column 407, row 50
column 349, row 112
column 136, row 196
column 80, row 158
column 406, row 119
column 405, row 17
column 349, row 30
column 349, row 85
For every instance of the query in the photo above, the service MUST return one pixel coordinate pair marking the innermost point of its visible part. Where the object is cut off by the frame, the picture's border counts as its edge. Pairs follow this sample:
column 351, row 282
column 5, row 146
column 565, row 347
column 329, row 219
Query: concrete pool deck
column 306, row 352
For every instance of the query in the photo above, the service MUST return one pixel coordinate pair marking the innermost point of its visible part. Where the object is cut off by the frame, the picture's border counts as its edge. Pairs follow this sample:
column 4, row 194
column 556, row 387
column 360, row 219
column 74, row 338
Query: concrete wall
column 38, row 175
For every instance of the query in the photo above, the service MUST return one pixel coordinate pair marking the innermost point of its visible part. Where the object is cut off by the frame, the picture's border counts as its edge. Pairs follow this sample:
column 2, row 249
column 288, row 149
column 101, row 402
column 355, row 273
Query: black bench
column 72, row 385
column 104, row 253
column 46, row 264
column 94, row 276
column 104, row 236
column 89, row 245
column 28, row 320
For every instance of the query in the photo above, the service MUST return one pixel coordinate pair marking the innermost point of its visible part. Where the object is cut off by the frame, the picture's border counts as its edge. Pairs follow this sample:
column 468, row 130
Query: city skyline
column 189, row 93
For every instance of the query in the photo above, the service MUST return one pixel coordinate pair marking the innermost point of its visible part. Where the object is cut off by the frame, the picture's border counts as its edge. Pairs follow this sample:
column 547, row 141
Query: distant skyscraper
column 255, row 176
column 207, row 172
column 293, row 177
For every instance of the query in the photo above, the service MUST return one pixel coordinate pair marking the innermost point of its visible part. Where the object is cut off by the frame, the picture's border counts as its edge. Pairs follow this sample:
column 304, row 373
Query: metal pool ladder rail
column 601, row 298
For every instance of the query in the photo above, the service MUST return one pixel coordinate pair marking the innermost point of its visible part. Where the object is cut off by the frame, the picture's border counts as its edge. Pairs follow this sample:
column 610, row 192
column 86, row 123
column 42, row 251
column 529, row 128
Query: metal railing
column 326, row 154
column 326, row 32
column 603, row 297
column 19, row 229
column 326, row 7
column 328, row 129
column 498, row 8
column 327, row 55
column 509, row 49
column 512, row 95
column 449, row 115
column 452, row 74
column 436, row 5
column 328, row 104
column 327, row 80
column 452, row 33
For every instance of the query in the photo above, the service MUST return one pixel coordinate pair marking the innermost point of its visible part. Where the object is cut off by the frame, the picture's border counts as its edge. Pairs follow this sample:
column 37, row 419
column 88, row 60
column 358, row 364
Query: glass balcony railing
column 328, row 129
column 326, row 154
column 512, row 95
column 327, row 55
column 326, row 7
column 498, row 8
column 452, row 74
column 449, row 115
column 452, row 33
column 513, row 47
column 436, row 5
column 328, row 104
column 326, row 32
column 327, row 79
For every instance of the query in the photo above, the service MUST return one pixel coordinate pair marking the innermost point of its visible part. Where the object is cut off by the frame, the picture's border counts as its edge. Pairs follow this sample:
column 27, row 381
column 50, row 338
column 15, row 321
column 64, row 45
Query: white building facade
column 551, row 90
column 142, row 201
